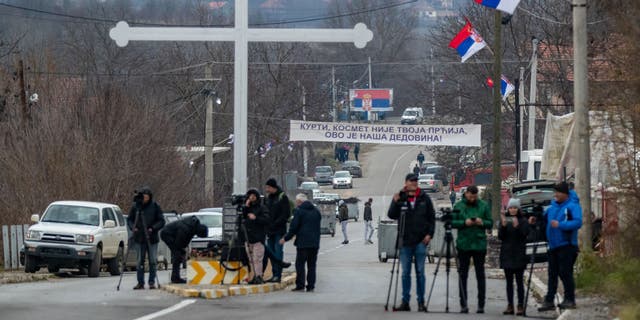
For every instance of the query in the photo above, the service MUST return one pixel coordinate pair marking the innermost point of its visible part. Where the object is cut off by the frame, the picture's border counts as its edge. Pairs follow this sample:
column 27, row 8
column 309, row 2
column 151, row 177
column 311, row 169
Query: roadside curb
column 12, row 278
column 227, row 291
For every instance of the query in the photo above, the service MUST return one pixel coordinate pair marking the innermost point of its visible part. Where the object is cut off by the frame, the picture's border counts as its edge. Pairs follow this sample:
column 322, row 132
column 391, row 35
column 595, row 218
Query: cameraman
column 563, row 219
column 471, row 216
column 146, row 212
column 279, row 211
column 418, row 226
column 255, row 219
column 177, row 236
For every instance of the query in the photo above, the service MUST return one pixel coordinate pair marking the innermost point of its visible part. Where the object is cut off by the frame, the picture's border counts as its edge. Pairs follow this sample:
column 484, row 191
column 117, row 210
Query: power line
column 282, row 22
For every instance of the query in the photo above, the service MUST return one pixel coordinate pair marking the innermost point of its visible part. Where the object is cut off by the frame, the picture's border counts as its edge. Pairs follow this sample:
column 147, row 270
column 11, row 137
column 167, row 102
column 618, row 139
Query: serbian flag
column 508, row 6
column 505, row 86
column 468, row 41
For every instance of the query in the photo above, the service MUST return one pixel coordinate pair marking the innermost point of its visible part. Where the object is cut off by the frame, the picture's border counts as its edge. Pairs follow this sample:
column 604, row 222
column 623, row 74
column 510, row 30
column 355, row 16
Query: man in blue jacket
column 305, row 226
column 563, row 219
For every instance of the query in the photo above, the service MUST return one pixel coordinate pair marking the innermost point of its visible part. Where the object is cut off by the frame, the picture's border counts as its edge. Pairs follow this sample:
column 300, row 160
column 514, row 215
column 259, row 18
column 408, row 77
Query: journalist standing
column 368, row 222
column 472, row 217
column 305, row 226
column 343, row 217
column 418, row 226
column 279, row 210
column 255, row 218
column 513, row 233
column 145, row 220
column 563, row 219
column 177, row 236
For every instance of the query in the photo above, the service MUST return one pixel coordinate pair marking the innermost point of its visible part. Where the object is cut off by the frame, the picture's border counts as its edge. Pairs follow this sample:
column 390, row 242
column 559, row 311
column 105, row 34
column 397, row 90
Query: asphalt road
column 352, row 283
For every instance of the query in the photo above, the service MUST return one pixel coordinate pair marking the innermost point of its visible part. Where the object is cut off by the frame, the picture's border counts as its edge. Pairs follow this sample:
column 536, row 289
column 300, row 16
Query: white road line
column 166, row 311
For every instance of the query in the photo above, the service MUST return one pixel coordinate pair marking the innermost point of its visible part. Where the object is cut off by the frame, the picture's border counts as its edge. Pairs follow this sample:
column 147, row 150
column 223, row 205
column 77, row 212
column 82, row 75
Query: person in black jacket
column 279, row 211
column 513, row 233
column 305, row 226
column 255, row 218
column 419, row 225
column 177, row 236
column 368, row 222
column 146, row 213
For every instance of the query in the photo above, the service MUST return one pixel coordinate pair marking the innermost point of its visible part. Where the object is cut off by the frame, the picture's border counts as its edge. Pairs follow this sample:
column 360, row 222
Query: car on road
column 430, row 184
column 76, row 234
column 439, row 173
column 309, row 185
column 353, row 167
column 535, row 197
column 213, row 221
column 342, row 179
column 323, row 174
column 412, row 116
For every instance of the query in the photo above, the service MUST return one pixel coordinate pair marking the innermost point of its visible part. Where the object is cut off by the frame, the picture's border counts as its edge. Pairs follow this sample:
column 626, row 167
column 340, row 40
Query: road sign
column 212, row 272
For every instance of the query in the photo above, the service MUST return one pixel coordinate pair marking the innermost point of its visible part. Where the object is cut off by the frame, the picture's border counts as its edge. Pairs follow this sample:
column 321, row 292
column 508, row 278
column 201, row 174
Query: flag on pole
column 467, row 42
column 508, row 6
column 505, row 87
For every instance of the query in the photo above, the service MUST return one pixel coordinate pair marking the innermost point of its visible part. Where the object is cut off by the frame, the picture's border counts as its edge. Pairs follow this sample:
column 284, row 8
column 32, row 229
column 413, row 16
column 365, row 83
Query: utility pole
column 518, row 127
column 581, row 133
column 459, row 97
column 433, row 86
column 208, row 145
column 305, row 151
column 370, row 86
column 333, row 94
column 23, row 93
column 533, row 93
column 522, row 99
column 496, row 177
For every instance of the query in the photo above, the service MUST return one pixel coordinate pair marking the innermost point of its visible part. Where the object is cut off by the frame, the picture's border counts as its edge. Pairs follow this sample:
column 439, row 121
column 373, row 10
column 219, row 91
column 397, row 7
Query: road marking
column 395, row 165
column 166, row 311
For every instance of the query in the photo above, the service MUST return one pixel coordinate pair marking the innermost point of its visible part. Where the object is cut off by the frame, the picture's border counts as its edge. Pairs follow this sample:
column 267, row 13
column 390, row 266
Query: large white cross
column 240, row 35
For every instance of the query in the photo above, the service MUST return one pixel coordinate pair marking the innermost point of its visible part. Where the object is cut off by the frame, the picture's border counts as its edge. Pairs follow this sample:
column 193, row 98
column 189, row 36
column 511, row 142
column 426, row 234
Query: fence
column 12, row 239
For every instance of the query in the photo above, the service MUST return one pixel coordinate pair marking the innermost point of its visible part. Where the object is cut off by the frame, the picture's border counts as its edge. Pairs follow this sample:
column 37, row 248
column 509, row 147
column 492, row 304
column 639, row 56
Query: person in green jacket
column 472, row 217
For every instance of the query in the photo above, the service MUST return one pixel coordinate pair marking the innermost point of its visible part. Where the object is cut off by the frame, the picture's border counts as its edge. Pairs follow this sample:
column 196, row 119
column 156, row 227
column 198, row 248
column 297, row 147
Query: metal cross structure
column 241, row 35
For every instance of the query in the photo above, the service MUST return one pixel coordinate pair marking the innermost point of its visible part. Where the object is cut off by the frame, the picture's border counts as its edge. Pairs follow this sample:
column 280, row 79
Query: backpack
column 292, row 205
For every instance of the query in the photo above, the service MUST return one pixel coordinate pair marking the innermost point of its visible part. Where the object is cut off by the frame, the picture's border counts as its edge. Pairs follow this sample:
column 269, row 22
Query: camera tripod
column 232, row 244
column 396, row 259
column 448, row 248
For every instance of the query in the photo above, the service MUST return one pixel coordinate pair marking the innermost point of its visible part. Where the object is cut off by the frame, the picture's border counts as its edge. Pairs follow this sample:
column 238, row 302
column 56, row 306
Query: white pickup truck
column 77, row 234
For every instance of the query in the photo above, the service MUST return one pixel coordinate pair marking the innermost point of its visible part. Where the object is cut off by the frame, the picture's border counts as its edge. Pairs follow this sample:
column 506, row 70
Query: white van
column 412, row 116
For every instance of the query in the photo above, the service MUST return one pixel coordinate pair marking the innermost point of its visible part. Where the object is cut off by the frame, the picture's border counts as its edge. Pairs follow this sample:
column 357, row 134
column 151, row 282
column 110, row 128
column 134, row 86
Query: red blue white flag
column 508, row 6
column 506, row 87
column 467, row 42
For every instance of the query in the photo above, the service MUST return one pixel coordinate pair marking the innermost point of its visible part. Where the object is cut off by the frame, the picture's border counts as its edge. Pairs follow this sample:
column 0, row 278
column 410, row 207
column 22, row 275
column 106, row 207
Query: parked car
column 439, row 172
column 430, row 184
column 316, row 193
column 412, row 116
column 309, row 185
column 353, row 167
column 323, row 174
column 342, row 179
column 535, row 197
column 76, row 234
column 213, row 242
column 164, row 254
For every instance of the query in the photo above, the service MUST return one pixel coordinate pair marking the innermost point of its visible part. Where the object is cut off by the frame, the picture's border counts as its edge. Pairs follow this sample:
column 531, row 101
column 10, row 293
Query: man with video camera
column 414, row 210
column 563, row 219
column 255, row 218
column 472, row 217
column 145, row 220
column 177, row 236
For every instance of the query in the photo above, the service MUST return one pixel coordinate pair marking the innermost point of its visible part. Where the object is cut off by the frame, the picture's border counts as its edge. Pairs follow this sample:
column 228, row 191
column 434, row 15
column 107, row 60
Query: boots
column 520, row 310
column 509, row 310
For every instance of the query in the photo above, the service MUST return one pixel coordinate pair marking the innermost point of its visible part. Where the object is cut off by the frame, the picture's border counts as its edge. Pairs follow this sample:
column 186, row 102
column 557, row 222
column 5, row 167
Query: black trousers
column 561, row 261
column 177, row 257
column 464, row 258
column 308, row 257
column 519, row 275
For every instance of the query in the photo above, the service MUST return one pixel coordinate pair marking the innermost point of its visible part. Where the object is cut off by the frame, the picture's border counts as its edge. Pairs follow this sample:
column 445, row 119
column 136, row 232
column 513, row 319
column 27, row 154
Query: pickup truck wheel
column 30, row 264
column 114, row 264
column 96, row 263
column 53, row 269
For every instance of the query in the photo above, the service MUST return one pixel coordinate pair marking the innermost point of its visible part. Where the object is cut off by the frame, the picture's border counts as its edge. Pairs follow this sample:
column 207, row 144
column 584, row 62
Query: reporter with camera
column 255, row 218
column 416, row 209
column 146, row 219
column 513, row 233
column 471, row 216
column 563, row 219
column 177, row 236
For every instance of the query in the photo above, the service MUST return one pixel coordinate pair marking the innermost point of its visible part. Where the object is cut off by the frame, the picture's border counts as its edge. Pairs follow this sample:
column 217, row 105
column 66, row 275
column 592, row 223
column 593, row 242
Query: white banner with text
column 467, row 135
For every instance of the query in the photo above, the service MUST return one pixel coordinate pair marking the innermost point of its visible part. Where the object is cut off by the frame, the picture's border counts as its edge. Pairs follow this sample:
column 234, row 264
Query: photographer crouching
column 146, row 219
column 255, row 218
column 177, row 236
column 414, row 210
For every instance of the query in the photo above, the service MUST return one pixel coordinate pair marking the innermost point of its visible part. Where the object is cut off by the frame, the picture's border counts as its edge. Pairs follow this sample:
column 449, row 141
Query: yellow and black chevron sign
column 211, row 272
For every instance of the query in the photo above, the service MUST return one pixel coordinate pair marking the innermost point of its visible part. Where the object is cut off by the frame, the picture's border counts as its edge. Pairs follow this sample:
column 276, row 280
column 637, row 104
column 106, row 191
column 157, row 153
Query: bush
column 618, row 276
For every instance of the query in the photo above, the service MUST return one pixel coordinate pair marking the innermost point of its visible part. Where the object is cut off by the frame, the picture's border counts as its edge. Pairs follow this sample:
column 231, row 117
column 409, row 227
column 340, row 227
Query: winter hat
column 514, row 203
column 272, row 183
column 202, row 231
column 562, row 187
column 254, row 191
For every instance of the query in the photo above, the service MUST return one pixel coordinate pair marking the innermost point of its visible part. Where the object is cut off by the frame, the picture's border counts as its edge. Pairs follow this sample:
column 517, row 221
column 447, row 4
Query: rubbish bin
column 387, row 234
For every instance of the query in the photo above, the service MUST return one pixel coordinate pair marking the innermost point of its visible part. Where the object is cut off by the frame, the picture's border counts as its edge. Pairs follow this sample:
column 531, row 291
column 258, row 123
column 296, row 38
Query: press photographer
column 255, row 219
column 416, row 225
column 146, row 219
column 177, row 236
column 513, row 232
